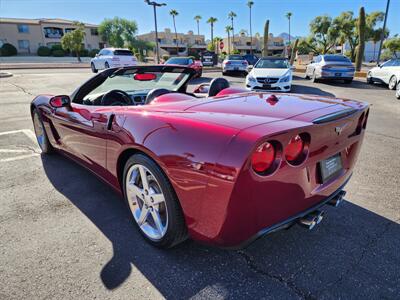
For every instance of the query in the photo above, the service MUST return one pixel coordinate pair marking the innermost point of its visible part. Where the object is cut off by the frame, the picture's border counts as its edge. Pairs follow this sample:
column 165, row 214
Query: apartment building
column 243, row 43
column 27, row 35
column 188, row 43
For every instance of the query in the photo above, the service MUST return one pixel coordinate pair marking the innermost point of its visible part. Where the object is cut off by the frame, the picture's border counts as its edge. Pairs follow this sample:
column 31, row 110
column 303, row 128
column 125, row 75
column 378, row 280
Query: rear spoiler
column 334, row 116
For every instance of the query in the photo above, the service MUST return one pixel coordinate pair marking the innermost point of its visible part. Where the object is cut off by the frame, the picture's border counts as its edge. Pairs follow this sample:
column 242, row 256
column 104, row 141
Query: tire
column 40, row 132
column 369, row 79
column 199, row 74
column 348, row 81
column 106, row 65
column 94, row 70
column 398, row 90
column 224, row 73
column 392, row 83
column 306, row 76
column 153, row 200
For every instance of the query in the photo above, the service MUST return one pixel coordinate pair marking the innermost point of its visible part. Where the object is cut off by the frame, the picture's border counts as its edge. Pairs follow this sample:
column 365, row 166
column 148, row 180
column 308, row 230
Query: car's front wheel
column 369, row 78
column 392, row 82
column 94, row 70
column 153, row 204
column 40, row 133
column 398, row 90
column 106, row 65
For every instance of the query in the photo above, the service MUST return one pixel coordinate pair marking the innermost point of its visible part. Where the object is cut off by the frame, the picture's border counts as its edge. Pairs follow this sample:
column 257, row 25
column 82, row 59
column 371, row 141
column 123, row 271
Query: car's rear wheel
column 40, row 133
column 398, row 90
column 392, row 82
column 106, row 65
column 153, row 203
column 94, row 70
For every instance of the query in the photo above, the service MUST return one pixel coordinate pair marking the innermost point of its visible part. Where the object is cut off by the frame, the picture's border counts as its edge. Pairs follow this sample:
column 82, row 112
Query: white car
column 270, row 74
column 398, row 88
column 112, row 58
column 387, row 73
column 234, row 64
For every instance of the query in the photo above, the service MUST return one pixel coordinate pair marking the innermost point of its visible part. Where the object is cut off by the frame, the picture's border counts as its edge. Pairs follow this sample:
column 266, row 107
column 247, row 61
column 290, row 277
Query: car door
column 383, row 72
column 81, row 131
column 98, row 59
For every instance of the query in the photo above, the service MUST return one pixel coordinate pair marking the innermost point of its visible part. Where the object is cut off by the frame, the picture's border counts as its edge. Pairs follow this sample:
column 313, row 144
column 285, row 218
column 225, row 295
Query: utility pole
column 155, row 5
column 383, row 32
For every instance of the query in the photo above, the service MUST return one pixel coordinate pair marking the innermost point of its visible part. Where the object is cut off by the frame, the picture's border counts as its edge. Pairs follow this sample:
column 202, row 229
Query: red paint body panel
column 204, row 147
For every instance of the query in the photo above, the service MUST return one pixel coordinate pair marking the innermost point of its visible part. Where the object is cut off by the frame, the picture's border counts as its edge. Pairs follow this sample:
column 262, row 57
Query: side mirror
column 60, row 101
column 202, row 89
column 379, row 65
column 249, row 68
column 97, row 55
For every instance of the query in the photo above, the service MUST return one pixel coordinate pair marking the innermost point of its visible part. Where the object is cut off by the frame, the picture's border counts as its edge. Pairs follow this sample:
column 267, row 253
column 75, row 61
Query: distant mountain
column 285, row 36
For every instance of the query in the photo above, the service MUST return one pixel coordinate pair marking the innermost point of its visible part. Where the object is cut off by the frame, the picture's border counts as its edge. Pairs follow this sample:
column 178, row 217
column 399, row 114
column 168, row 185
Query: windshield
column 178, row 61
column 126, row 81
column 123, row 52
column 235, row 57
column 272, row 64
column 336, row 58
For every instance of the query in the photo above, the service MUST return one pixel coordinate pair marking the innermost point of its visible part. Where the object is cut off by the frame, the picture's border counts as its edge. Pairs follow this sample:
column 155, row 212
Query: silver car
column 234, row 63
column 332, row 67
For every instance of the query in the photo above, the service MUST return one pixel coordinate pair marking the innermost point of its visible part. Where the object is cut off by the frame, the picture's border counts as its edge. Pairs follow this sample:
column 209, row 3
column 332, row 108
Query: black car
column 251, row 59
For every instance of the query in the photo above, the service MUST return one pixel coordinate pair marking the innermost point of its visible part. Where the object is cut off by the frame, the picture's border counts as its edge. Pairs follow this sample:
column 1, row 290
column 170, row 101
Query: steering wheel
column 115, row 98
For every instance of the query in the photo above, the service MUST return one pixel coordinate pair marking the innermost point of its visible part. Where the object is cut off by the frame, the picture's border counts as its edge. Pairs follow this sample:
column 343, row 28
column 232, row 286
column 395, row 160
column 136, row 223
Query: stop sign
column 221, row 45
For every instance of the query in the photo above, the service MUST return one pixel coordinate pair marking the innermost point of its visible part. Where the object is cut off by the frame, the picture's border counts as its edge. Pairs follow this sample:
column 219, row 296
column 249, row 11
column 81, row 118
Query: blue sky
column 94, row 11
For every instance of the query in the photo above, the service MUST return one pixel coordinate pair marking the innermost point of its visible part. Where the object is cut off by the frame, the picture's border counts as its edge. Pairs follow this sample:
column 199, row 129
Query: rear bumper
column 238, row 68
column 335, row 75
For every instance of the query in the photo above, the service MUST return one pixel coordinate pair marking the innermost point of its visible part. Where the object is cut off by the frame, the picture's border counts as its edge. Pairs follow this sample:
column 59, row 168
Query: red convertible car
column 221, row 165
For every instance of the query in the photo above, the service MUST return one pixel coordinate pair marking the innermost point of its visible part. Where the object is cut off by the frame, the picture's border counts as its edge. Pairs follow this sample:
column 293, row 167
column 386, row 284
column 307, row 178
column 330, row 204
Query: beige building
column 244, row 44
column 188, row 43
column 29, row 34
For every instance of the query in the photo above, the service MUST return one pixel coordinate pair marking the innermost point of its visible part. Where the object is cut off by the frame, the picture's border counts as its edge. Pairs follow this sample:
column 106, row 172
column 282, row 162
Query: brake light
column 228, row 63
column 294, row 149
column 263, row 157
column 244, row 63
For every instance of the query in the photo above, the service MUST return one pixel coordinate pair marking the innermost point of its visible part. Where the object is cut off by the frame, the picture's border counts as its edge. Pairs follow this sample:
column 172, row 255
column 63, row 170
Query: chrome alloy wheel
column 392, row 83
column 39, row 130
column 146, row 202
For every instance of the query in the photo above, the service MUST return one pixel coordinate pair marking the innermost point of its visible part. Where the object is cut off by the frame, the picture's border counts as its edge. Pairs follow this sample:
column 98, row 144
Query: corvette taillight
column 294, row 149
column 263, row 157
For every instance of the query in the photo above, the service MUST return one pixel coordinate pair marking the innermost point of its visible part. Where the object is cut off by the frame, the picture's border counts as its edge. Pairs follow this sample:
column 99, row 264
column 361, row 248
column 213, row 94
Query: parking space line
column 30, row 135
column 13, row 151
column 18, row 157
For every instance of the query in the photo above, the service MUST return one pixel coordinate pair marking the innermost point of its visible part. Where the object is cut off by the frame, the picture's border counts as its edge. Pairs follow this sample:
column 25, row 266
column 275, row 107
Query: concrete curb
column 5, row 74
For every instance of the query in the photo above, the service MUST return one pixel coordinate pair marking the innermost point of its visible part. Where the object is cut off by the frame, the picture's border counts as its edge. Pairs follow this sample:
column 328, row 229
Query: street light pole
column 155, row 4
column 383, row 32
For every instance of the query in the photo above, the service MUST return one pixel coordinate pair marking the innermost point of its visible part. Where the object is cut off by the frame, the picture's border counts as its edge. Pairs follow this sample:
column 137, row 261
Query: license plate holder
column 266, row 86
column 330, row 167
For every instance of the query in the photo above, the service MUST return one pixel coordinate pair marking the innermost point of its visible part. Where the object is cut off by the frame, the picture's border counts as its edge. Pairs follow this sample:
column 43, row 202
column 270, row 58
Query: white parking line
column 28, row 133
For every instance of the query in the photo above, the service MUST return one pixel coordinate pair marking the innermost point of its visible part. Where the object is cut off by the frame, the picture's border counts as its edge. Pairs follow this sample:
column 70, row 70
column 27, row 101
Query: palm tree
column 228, row 30
column 211, row 21
column 197, row 19
column 250, row 4
column 288, row 16
column 231, row 16
column 174, row 13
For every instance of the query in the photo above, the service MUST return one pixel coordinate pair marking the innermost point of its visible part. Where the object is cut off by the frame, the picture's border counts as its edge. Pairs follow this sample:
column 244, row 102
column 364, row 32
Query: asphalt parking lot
column 65, row 234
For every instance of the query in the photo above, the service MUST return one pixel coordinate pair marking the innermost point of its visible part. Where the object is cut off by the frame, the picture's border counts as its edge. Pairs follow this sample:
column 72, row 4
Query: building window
column 23, row 44
column 53, row 32
column 69, row 30
column 93, row 31
column 22, row 28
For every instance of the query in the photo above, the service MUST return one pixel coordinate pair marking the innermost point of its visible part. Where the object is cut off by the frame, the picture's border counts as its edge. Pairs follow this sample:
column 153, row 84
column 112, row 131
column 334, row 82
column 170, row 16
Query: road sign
column 221, row 45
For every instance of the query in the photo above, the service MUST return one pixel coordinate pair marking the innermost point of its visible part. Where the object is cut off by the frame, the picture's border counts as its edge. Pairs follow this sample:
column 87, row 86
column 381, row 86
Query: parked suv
column 332, row 67
column 112, row 58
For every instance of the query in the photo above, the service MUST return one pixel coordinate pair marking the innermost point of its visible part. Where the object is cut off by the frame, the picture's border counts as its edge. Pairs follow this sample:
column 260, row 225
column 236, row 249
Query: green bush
column 93, row 52
column 43, row 51
column 58, row 53
column 56, row 47
column 8, row 50
column 82, row 53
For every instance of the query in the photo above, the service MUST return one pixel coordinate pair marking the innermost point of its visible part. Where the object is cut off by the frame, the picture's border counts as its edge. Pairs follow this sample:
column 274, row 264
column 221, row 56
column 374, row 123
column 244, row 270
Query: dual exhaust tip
column 312, row 219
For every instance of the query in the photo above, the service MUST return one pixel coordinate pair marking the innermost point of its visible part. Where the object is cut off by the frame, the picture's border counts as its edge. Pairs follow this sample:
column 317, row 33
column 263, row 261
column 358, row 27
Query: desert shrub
column 8, row 50
column 43, row 51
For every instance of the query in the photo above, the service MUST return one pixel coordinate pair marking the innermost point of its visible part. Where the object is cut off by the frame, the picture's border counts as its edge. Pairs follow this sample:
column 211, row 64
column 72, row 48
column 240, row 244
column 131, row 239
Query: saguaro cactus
column 294, row 50
column 361, row 39
column 266, row 35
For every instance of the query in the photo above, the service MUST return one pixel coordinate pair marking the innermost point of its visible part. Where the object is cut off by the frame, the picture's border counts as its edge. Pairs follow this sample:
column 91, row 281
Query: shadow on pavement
column 352, row 254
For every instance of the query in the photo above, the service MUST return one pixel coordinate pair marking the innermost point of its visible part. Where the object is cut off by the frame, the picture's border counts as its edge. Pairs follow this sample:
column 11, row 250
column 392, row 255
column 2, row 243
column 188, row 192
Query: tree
column 231, row 16
column 393, row 45
column 266, row 36
column 139, row 46
column 373, row 33
column 361, row 38
column 174, row 13
column 288, row 16
column 323, row 35
column 73, row 40
column 228, row 30
column 294, row 50
column 250, row 4
column 117, row 32
column 197, row 19
column 211, row 21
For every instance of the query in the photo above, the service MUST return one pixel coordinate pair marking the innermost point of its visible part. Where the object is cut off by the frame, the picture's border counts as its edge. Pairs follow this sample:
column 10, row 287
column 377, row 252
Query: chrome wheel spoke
column 157, row 221
column 143, row 176
column 143, row 215
column 135, row 190
column 156, row 199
